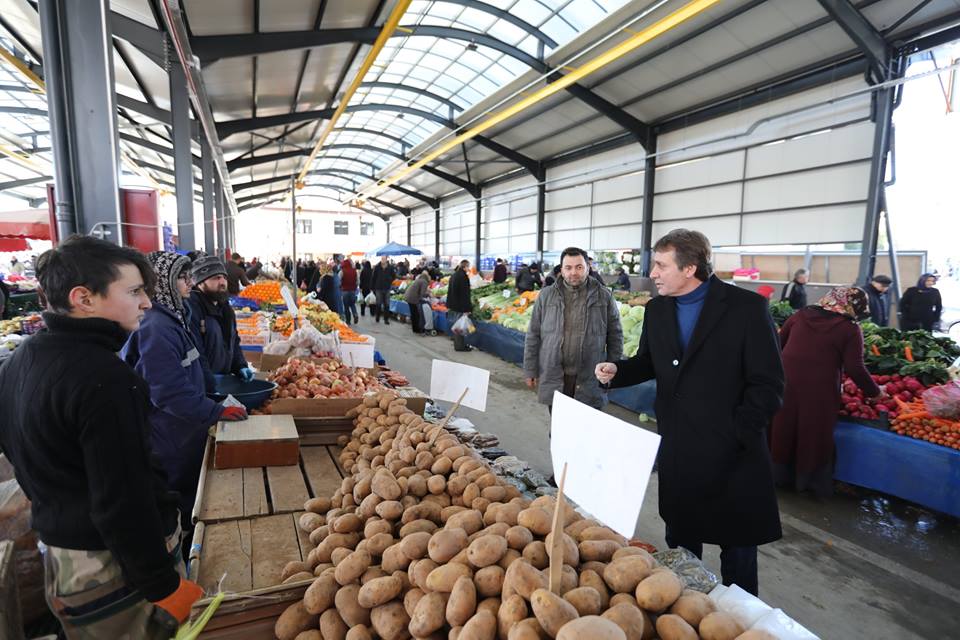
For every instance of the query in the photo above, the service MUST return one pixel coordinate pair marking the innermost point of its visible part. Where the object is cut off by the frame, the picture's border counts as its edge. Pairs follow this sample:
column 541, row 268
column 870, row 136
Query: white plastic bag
column 463, row 326
column 745, row 607
column 371, row 298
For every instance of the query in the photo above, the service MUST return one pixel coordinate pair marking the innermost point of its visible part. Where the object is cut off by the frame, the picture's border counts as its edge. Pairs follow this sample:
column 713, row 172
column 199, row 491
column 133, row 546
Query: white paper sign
column 289, row 301
column 608, row 461
column 449, row 379
column 357, row 354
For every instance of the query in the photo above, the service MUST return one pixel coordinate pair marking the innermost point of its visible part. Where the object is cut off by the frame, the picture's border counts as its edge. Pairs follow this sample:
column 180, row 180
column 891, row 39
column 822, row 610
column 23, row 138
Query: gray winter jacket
column 603, row 342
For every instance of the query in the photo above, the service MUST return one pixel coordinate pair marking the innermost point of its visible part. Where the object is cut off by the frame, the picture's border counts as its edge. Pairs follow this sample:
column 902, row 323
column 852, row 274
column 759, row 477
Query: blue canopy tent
column 395, row 249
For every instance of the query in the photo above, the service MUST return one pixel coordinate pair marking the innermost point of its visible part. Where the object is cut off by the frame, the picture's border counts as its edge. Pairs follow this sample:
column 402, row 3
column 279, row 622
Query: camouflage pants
column 87, row 593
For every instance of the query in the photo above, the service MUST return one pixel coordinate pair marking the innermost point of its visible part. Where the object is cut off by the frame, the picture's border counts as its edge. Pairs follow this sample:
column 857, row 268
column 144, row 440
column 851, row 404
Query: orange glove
column 178, row 603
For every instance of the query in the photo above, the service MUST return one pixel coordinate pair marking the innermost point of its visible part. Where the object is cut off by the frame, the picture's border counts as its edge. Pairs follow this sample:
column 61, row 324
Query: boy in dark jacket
column 73, row 421
column 383, row 276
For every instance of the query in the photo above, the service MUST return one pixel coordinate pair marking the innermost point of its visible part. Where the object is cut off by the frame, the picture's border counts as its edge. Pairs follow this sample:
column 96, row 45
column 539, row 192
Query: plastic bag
column 277, row 348
column 371, row 298
column 943, row 401
column 305, row 337
column 689, row 568
column 745, row 607
column 463, row 326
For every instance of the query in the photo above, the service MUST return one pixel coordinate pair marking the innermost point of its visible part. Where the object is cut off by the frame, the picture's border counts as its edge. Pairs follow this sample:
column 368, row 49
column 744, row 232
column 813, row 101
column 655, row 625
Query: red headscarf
column 848, row 301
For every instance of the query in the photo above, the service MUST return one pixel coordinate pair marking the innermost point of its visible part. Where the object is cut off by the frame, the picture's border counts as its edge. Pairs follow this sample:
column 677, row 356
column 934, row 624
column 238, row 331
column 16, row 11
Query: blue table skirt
column 923, row 473
column 402, row 308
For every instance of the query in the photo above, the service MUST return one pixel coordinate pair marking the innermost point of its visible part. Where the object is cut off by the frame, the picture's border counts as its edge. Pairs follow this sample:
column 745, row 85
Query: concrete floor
column 860, row 565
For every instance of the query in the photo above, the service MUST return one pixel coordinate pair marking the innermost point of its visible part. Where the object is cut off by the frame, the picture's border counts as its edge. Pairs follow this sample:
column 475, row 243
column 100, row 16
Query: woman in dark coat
column 458, row 302
column 819, row 344
column 921, row 306
column 366, row 286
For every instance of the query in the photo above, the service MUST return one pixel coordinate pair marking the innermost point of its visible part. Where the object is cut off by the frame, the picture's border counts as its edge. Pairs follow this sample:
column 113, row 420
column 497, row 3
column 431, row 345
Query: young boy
column 73, row 422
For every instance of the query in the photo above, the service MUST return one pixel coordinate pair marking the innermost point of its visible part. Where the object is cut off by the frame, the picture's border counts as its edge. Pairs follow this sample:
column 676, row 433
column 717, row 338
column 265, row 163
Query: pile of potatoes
column 423, row 541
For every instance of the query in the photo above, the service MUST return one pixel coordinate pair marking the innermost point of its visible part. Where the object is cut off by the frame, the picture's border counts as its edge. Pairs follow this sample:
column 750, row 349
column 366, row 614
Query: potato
column 348, row 606
column 630, row 619
column 339, row 555
column 551, row 611
column 590, row 578
column 319, row 596
column 385, row 485
column 571, row 554
column 518, row 537
column 494, row 529
column 512, row 610
column 293, row 620
column 622, row 552
column 419, row 570
column 693, row 607
column 429, row 615
column 436, row 484
column 593, row 565
column 462, row 603
column 489, row 604
column 444, row 577
column 379, row 591
column 659, row 591
column 359, row 632
column 292, row 568
column 417, row 486
column 486, row 550
column 602, row 533
column 509, row 557
column 389, row 509
column 417, row 525
column 470, row 521
column 318, row 505
column 592, row 627
column 489, row 581
column 352, row 567
column 719, row 625
column 527, row 629
column 624, row 598
column 299, row 577
column 393, row 559
column 309, row 634
column 623, row 575
column 600, row 550
column 414, row 546
column 446, row 543
column 390, row 621
column 537, row 520
column 319, row 534
column 379, row 543
column 332, row 626
column 756, row 634
column 482, row 626
column 375, row 526
column 586, row 600
column 536, row 554
column 310, row 521
column 372, row 574
column 523, row 578
column 671, row 627
column 411, row 598
column 368, row 506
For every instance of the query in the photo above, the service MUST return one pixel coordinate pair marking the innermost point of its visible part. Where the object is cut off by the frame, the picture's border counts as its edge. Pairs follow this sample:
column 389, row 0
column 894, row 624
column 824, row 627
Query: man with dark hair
column 879, row 299
column 73, row 422
column 212, row 321
column 795, row 291
column 236, row 274
column 575, row 325
column 500, row 272
column 713, row 351
column 594, row 273
column 528, row 278
column 382, row 280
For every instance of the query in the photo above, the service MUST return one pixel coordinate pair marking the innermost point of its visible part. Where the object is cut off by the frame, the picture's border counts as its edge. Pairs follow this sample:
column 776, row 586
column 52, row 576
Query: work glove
column 178, row 603
column 246, row 374
column 233, row 414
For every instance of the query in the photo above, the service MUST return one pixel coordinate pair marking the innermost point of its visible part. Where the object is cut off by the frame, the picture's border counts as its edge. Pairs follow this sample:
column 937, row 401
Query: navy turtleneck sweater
column 689, row 306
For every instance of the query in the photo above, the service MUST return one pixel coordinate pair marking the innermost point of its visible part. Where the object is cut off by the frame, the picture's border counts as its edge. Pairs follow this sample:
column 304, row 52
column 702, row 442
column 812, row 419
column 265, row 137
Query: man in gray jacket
column 575, row 325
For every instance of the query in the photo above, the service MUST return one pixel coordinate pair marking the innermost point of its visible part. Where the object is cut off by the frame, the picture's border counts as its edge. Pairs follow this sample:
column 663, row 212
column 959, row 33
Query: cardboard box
column 258, row 441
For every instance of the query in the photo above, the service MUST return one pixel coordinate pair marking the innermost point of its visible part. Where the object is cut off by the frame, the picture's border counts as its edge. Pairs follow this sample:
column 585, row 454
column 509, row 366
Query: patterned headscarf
column 169, row 266
column 848, row 301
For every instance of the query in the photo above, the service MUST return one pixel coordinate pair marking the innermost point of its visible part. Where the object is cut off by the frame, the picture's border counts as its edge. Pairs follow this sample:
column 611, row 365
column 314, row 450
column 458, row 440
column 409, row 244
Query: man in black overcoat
column 713, row 351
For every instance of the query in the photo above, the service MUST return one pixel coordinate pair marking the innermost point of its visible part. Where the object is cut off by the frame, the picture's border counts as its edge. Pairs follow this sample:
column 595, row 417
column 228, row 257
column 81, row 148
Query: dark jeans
column 738, row 565
column 350, row 306
column 383, row 305
column 416, row 322
column 459, row 341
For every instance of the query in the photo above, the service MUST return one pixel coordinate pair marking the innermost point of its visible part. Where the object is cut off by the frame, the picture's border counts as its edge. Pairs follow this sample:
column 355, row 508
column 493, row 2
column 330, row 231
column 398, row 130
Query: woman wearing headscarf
column 820, row 343
column 164, row 354
column 921, row 306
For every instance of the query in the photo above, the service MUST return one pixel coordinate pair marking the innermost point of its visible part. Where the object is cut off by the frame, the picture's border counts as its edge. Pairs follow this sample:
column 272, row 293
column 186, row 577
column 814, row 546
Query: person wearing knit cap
column 213, row 322
column 163, row 352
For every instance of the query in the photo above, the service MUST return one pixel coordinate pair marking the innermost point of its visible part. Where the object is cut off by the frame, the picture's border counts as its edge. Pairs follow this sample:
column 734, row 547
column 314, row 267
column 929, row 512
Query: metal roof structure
column 273, row 72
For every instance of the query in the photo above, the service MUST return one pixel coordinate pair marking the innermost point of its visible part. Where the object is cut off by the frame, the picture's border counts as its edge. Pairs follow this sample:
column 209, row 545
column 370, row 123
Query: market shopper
column 879, row 298
column 213, row 322
column 348, row 288
column 381, row 282
column 236, row 274
column 17, row 268
column 414, row 296
column 73, row 422
column 254, row 270
column 459, row 303
column 819, row 344
column 552, row 276
column 921, row 306
column 164, row 353
column 4, row 299
column 500, row 271
column 713, row 351
column 623, row 280
column 328, row 288
column 366, row 286
column 795, row 291
column 528, row 278
column 574, row 326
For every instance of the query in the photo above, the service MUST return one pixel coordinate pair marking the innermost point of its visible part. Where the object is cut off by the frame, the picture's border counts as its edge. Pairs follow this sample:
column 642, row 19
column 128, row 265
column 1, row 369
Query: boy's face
column 124, row 302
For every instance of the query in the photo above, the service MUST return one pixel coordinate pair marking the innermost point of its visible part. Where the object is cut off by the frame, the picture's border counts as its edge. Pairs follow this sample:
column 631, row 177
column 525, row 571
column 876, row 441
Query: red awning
column 12, row 244
column 32, row 223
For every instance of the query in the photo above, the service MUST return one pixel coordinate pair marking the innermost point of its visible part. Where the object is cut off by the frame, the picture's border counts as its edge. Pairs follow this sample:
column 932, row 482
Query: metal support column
column 78, row 65
column 293, row 217
column 884, row 105
column 220, row 215
column 649, row 186
column 541, row 218
column 478, row 236
column 182, row 157
column 206, row 159
column 436, row 234
column 409, row 229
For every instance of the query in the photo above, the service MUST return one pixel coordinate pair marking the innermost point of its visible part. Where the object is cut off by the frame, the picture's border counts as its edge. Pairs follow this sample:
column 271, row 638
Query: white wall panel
column 499, row 229
column 842, row 223
column 524, row 225
column 617, row 237
column 497, row 211
column 697, row 203
column 619, row 188
column 598, row 166
column 853, row 142
column 560, row 240
column 820, row 186
column 567, row 219
column 523, row 244
column 703, row 171
column 496, row 245
column 721, row 231
column 523, row 207
column 624, row 212
column 568, row 197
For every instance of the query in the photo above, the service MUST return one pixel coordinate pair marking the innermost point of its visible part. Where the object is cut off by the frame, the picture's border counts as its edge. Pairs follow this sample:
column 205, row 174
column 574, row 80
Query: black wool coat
column 714, row 402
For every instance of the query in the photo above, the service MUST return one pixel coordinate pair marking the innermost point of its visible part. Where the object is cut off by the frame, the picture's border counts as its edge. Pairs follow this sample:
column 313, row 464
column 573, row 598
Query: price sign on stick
column 357, row 354
column 609, row 461
column 289, row 301
column 449, row 379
